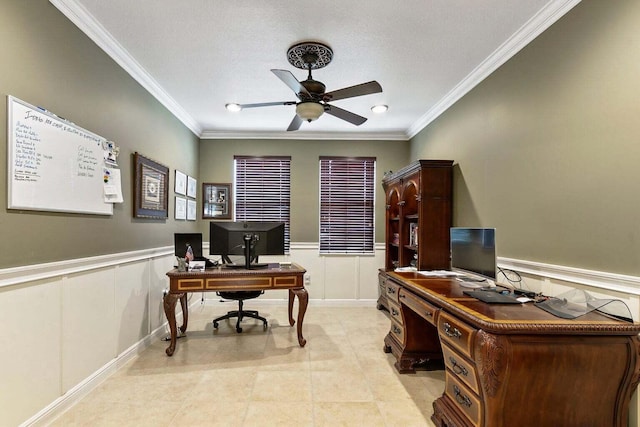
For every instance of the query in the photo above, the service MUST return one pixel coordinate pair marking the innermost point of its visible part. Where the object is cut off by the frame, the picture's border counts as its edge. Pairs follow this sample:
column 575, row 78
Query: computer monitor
column 250, row 239
column 182, row 240
column 473, row 252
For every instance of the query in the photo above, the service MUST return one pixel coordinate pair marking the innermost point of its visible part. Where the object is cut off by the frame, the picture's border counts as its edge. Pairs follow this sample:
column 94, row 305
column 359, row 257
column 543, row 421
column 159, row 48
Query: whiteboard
column 53, row 164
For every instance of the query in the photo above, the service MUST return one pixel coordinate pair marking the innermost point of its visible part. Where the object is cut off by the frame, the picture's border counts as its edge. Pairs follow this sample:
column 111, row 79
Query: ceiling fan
column 313, row 101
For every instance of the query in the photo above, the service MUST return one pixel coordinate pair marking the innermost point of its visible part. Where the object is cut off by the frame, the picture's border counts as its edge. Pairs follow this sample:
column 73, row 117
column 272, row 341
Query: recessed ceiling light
column 232, row 106
column 379, row 108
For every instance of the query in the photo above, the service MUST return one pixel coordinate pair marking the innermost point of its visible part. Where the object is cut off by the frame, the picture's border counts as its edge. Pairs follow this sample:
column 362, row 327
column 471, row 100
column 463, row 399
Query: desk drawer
column 460, row 367
column 394, row 311
column 190, row 284
column 422, row 308
column 465, row 400
column 397, row 330
column 455, row 333
column 392, row 290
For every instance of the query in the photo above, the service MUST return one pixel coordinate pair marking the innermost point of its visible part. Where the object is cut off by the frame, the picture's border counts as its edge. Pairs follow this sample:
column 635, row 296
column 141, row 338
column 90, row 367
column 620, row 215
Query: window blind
column 262, row 190
column 347, row 205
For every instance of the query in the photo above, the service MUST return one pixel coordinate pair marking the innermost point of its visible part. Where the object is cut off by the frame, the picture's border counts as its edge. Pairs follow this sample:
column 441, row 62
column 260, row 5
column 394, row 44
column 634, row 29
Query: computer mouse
column 524, row 299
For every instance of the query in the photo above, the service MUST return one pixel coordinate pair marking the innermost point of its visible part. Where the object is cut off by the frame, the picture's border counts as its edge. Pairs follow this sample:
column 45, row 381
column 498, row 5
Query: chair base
column 240, row 314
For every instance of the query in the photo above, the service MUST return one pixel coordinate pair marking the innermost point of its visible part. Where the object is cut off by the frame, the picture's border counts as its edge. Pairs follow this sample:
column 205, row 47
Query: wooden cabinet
column 418, row 215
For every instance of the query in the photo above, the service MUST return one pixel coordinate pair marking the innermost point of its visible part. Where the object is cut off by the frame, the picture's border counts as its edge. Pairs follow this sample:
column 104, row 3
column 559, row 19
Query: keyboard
column 492, row 297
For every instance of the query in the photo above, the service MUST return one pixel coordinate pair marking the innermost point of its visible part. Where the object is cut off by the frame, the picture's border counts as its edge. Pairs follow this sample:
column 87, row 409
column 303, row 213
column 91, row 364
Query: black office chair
column 240, row 296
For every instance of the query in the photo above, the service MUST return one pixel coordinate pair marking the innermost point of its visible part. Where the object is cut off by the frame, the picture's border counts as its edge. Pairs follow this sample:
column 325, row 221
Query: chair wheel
column 264, row 326
column 239, row 330
column 215, row 325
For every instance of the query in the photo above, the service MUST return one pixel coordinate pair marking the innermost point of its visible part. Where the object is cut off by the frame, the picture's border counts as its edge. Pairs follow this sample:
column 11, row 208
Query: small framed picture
column 191, row 210
column 181, row 208
column 151, row 192
column 216, row 201
column 181, row 183
column 191, row 187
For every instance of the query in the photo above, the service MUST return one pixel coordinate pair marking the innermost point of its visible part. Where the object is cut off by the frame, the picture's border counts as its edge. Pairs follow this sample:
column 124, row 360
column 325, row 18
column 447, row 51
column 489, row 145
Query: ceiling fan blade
column 295, row 123
column 267, row 104
column 344, row 115
column 350, row 92
column 290, row 80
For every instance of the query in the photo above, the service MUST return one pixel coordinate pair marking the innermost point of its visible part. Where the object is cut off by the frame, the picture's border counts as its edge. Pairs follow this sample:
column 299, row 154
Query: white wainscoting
column 68, row 325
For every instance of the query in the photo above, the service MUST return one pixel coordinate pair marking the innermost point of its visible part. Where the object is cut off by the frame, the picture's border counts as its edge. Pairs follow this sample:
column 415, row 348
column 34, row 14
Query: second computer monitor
column 473, row 251
column 182, row 240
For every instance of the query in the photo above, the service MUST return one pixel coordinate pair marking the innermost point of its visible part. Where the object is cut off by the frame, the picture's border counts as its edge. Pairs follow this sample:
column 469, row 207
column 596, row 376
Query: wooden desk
column 512, row 365
column 232, row 279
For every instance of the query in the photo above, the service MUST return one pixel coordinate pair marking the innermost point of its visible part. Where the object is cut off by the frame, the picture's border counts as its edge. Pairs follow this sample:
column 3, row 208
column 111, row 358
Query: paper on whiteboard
column 112, row 186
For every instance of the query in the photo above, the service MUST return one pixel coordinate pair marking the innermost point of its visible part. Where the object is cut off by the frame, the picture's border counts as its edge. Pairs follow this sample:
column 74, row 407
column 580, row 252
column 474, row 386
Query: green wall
column 47, row 61
column 548, row 146
column 216, row 165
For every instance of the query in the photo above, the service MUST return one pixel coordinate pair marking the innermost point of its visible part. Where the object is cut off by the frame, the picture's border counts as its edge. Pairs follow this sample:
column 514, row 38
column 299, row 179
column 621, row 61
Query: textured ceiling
column 195, row 56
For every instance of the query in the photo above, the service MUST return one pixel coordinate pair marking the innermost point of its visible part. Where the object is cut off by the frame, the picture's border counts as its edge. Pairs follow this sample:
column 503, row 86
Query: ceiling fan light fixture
column 232, row 106
column 309, row 111
column 380, row 108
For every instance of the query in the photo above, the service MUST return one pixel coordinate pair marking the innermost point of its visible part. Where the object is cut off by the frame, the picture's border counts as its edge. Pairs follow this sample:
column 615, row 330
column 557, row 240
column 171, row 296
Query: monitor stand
column 248, row 248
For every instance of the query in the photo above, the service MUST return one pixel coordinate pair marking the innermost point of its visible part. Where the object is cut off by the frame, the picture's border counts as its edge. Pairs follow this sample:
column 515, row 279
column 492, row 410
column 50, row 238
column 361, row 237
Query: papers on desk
column 197, row 265
column 405, row 269
column 439, row 273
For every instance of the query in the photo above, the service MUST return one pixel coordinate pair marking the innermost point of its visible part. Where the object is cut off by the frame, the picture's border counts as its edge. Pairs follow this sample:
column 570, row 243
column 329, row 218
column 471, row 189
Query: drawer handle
column 457, row 368
column 461, row 398
column 396, row 330
column 391, row 290
column 394, row 312
column 428, row 313
column 455, row 333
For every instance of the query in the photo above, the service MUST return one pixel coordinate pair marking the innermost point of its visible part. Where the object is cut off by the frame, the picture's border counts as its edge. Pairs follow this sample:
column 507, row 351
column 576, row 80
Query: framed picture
column 181, row 183
column 191, row 187
column 191, row 210
column 181, row 208
column 150, row 189
column 216, row 201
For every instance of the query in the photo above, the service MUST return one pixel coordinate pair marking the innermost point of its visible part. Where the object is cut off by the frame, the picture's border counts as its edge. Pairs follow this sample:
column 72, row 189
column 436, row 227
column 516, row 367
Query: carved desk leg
column 303, row 301
column 170, row 312
column 185, row 313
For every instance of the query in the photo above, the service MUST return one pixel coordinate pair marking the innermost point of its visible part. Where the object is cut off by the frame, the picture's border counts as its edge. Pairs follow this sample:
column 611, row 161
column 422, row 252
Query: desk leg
column 303, row 301
column 185, row 312
column 170, row 312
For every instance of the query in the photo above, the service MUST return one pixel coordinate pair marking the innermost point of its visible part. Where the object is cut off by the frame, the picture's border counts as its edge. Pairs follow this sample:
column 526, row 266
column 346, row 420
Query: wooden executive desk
column 512, row 365
column 232, row 279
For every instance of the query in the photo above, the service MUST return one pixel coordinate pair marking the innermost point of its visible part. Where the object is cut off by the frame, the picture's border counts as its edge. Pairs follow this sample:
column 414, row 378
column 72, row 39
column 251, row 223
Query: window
column 346, row 205
column 262, row 190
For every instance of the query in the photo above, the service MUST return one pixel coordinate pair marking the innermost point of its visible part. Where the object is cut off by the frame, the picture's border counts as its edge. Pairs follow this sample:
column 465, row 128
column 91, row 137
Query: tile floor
column 263, row 378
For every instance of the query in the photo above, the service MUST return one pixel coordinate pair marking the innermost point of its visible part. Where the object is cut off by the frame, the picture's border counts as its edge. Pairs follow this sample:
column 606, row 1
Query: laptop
column 492, row 297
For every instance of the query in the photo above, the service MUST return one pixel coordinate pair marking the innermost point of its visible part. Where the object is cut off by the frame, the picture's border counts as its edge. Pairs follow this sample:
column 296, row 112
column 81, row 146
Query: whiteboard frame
column 108, row 207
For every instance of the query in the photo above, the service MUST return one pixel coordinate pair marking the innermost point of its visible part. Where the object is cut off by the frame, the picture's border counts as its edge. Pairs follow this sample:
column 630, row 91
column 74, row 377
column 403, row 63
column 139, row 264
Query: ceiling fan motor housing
column 314, row 87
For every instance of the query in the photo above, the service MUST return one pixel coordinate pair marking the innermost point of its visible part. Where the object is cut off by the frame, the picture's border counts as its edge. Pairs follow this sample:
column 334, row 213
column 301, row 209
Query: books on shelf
column 413, row 234
column 396, row 239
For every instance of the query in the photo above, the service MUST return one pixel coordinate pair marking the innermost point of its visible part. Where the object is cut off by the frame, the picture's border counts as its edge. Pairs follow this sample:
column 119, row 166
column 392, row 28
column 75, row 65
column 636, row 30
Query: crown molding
column 79, row 16
column 346, row 136
column 546, row 17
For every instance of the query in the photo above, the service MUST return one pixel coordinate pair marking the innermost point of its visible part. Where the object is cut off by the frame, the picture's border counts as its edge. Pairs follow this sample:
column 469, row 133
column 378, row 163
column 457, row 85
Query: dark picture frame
column 216, row 200
column 150, row 189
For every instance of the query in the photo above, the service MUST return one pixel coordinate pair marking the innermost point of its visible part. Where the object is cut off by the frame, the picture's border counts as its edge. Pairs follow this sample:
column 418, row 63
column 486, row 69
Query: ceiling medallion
column 309, row 55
